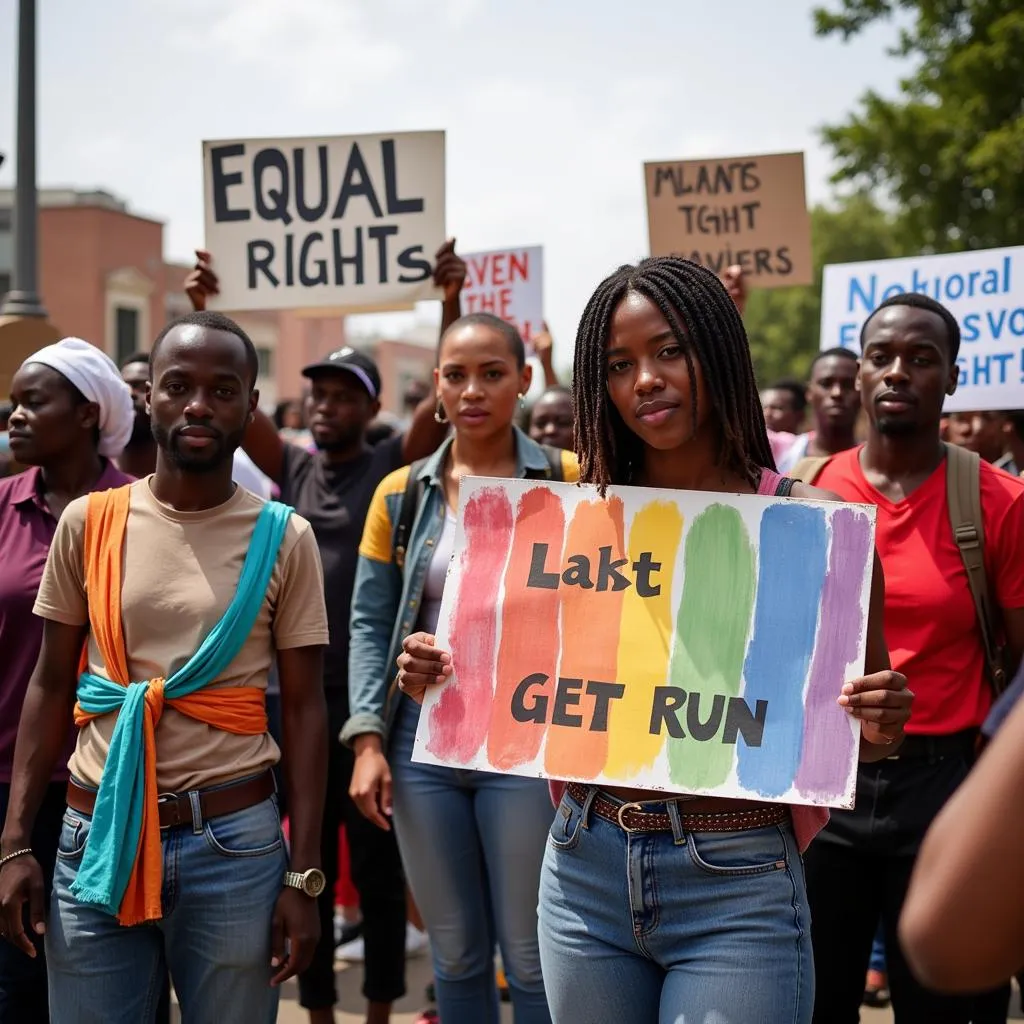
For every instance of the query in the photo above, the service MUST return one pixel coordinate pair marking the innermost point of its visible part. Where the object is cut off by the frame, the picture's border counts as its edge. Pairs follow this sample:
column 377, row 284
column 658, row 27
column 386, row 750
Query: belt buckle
column 622, row 810
column 166, row 798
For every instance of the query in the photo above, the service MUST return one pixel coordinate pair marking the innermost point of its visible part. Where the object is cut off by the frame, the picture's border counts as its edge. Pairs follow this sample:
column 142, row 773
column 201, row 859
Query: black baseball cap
column 348, row 359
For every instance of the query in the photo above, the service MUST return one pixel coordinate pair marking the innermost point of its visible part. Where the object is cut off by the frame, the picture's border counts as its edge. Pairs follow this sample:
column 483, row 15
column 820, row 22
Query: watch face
column 314, row 882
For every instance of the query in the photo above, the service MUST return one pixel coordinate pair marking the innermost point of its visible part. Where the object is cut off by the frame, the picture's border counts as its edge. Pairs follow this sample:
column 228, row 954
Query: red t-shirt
column 930, row 623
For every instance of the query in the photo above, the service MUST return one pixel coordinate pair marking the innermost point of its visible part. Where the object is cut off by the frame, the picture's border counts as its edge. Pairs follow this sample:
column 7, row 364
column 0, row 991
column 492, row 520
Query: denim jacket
column 386, row 600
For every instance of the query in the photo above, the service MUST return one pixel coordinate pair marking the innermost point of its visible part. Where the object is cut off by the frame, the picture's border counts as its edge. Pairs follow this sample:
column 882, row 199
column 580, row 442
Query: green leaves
column 949, row 150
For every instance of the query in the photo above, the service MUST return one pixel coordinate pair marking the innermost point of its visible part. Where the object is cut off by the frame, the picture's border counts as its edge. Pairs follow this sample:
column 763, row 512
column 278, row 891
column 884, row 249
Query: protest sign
column 350, row 223
column 667, row 640
column 750, row 211
column 983, row 289
column 509, row 284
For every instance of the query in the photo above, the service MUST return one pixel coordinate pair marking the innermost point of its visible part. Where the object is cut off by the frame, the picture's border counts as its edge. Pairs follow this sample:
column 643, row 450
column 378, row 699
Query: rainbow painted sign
column 667, row 640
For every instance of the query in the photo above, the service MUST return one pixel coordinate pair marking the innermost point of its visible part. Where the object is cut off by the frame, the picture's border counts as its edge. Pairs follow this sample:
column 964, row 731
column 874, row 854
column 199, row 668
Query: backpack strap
column 809, row 468
column 963, row 495
column 553, row 470
column 407, row 511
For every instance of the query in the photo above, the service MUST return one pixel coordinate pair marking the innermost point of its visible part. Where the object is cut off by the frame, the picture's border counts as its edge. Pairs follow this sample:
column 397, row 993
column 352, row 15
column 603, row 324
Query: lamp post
column 23, row 299
column 24, row 327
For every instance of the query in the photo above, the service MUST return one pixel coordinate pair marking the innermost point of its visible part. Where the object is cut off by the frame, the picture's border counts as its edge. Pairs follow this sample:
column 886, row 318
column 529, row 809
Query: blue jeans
column 673, row 927
column 221, row 880
column 472, row 844
column 877, row 961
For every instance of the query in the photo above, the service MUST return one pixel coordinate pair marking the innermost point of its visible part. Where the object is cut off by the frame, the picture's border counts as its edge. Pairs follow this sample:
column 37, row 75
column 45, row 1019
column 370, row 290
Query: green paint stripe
column 712, row 626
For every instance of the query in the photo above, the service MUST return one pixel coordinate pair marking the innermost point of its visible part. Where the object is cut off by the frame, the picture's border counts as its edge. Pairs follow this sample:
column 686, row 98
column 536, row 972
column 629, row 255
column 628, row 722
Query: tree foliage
column 949, row 149
column 784, row 324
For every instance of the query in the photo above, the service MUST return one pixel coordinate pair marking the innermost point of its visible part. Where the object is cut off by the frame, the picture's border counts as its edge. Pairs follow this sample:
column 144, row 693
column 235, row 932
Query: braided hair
column 705, row 323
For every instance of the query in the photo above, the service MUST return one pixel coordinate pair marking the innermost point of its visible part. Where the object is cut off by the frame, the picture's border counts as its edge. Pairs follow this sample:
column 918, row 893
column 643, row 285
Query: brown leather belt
column 176, row 808
column 631, row 817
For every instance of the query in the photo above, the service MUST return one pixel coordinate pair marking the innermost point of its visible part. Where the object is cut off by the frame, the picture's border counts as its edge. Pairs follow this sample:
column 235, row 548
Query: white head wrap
column 94, row 374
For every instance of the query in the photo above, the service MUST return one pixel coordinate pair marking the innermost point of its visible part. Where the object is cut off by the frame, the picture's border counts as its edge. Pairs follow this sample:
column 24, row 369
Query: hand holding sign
column 736, row 286
column 881, row 702
column 421, row 664
column 202, row 282
column 449, row 271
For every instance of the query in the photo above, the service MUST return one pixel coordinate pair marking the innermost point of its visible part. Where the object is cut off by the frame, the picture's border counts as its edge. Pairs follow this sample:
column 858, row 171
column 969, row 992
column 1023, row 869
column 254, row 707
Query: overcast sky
column 550, row 106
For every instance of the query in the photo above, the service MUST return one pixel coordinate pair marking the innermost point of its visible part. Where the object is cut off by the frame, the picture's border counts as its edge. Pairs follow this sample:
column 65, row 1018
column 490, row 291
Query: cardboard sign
column 667, row 640
column 510, row 284
column 350, row 223
column 983, row 289
column 748, row 210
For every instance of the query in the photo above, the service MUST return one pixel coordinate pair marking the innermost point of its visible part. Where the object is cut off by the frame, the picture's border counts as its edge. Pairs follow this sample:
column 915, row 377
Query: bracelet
column 17, row 853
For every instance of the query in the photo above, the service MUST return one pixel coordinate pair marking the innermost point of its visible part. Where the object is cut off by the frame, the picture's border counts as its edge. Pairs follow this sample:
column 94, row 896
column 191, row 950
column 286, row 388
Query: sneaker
column 876, row 991
column 416, row 942
column 427, row 1017
column 353, row 952
column 346, row 931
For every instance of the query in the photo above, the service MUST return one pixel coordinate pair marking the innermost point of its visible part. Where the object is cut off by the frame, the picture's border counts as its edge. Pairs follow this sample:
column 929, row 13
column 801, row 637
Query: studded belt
column 631, row 817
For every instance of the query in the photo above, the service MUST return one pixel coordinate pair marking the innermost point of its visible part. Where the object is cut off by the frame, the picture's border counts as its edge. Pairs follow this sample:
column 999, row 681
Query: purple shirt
column 26, row 532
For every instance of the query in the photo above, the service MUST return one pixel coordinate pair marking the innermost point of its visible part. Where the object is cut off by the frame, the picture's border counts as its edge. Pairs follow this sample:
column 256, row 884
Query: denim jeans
column 221, row 880
column 673, row 927
column 877, row 961
column 472, row 844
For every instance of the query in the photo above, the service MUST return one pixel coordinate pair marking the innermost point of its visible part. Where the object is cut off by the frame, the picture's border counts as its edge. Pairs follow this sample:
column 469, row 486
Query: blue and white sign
column 984, row 290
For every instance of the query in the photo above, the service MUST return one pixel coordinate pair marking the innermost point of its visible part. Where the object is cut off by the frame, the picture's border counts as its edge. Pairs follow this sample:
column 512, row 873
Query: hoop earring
column 440, row 416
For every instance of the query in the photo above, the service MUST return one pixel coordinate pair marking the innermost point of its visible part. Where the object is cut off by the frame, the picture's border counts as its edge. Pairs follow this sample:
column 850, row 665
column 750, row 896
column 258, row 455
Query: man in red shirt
column 860, row 865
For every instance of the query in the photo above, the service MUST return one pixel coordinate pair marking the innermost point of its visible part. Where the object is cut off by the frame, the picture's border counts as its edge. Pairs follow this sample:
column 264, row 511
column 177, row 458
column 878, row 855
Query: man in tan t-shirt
column 226, row 900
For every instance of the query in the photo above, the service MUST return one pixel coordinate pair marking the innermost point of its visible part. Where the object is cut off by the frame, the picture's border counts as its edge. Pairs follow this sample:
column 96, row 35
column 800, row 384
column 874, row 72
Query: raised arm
column 42, row 734
column 544, row 346
column 425, row 433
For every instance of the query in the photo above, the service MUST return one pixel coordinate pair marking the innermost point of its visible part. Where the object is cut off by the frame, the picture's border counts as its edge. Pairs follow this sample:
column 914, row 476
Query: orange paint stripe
column 590, row 631
column 529, row 630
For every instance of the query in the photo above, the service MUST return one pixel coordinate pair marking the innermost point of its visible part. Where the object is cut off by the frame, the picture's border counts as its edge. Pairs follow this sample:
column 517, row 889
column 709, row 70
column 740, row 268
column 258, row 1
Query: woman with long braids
column 681, row 909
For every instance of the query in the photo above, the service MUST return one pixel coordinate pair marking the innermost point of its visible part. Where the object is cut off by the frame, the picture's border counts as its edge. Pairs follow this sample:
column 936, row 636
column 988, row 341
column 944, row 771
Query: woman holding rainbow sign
column 685, row 908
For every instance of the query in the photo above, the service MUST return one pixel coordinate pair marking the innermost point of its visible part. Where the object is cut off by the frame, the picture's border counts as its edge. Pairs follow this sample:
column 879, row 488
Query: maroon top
column 26, row 531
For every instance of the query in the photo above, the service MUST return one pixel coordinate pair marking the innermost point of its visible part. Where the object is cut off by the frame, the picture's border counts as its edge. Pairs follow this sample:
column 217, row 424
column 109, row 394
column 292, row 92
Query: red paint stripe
column 529, row 630
column 459, row 719
column 590, row 631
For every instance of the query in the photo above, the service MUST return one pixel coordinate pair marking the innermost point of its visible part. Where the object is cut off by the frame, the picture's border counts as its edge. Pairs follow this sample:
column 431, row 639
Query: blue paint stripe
column 792, row 561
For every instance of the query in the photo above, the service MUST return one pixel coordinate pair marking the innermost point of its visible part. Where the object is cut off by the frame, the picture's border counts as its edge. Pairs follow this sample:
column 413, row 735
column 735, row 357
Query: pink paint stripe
column 828, row 742
column 459, row 720
column 529, row 631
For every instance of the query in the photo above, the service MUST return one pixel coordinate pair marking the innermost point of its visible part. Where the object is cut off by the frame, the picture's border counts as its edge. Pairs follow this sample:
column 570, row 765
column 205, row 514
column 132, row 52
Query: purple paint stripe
column 828, row 740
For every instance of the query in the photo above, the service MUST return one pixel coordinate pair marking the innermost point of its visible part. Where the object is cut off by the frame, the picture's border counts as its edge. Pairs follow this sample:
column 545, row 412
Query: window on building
column 126, row 332
column 266, row 359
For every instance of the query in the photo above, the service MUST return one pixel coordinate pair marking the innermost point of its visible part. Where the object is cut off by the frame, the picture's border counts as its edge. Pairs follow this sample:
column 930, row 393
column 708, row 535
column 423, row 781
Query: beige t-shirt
column 181, row 570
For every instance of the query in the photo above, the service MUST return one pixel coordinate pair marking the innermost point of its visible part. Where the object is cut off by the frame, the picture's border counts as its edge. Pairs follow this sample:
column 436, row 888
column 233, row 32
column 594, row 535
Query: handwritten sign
column 350, row 223
column 667, row 640
column 750, row 211
column 509, row 284
column 983, row 289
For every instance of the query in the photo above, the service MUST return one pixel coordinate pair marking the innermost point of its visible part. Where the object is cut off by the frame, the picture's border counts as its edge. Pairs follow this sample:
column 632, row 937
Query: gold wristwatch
column 311, row 882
